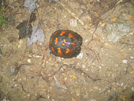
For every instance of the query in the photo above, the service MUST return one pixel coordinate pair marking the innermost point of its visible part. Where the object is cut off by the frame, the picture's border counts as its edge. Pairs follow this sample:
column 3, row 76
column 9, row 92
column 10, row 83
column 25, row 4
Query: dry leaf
column 132, row 72
column 121, row 57
column 132, row 18
column 1, row 29
column 129, row 17
column 44, row 89
column 19, row 45
column 72, row 76
column 113, row 19
column 96, row 15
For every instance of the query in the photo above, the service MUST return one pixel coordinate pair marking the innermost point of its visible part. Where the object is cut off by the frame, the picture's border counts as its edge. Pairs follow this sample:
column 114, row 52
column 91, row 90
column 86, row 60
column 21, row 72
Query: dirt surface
column 104, row 73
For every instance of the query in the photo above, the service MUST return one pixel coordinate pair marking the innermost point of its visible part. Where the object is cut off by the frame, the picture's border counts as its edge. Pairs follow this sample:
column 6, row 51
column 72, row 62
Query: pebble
column 116, row 65
column 117, row 84
column 131, row 33
column 108, row 90
column 86, row 69
column 52, row 99
column 19, row 79
column 80, row 56
column 73, row 22
column 28, row 94
column 130, row 49
column 122, row 84
column 92, row 100
column 48, row 96
column 37, row 56
column 83, row 66
column 29, row 60
column 11, row 69
column 95, row 87
column 131, row 57
column 124, row 61
column 15, row 85
column 125, row 86
column 86, row 40
column 59, row 59
column 100, row 67
column 132, row 88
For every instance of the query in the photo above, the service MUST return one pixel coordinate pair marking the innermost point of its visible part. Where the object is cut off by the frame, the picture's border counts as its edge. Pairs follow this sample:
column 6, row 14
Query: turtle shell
column 65, row 43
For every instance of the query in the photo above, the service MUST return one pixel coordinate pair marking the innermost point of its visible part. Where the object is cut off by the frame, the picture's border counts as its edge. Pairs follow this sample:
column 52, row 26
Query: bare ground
column 105, row 72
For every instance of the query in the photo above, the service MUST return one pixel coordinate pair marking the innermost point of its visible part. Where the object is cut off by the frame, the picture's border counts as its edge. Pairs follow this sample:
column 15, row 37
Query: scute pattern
column 65, row 43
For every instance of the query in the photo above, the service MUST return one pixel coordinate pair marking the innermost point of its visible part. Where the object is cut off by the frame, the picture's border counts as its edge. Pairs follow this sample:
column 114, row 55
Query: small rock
column 132, row 88
column 86, row 40
column 124, row 61
column 29, row 60
column 131, row 57
column 83, row 66
column 80, row 56
column 11, row 69
column 73, row 22
column 92, row 100
column 100, row 67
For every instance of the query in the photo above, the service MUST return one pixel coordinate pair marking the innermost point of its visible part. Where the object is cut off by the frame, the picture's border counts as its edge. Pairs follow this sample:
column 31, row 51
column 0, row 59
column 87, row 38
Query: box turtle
column 65, row 43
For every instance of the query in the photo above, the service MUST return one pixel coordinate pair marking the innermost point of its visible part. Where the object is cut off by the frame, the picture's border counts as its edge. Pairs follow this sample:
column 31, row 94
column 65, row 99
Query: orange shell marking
column 68, row 51
column 56, row 40
column 59, row 51
column 73, row 44
column 56, row 32
column 53, row 50
column 71, row 36
column 51, row 40
column 63, row 32
column 64, row 40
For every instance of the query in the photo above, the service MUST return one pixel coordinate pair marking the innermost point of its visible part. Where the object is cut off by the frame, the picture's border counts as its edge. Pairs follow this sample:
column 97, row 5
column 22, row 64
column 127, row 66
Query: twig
column 23, row 88
column 77, row 70
column 18, row 68
column 28, row 19
column 97, row 55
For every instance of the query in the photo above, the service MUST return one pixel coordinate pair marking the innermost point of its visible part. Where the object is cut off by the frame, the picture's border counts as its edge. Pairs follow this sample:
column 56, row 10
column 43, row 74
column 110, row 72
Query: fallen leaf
column 62, row 82
column 72, row 99
column 19, row 45
column 65, row 78
column 32, row 17
column 44, row 89
column 129, row 17
column 24, row 30
column 96, row 15
column 107, row 6
column 1, row 30
column 132, row 72
column 113, row 19
column 42, row 73
column 72, row 76
column 121, row 57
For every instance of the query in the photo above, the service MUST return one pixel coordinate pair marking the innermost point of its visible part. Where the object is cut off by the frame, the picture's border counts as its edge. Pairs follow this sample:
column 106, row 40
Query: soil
column 105, row 72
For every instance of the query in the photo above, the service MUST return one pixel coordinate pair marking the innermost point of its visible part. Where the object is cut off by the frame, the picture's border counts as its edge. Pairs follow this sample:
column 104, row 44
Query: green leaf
column 51, row 13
